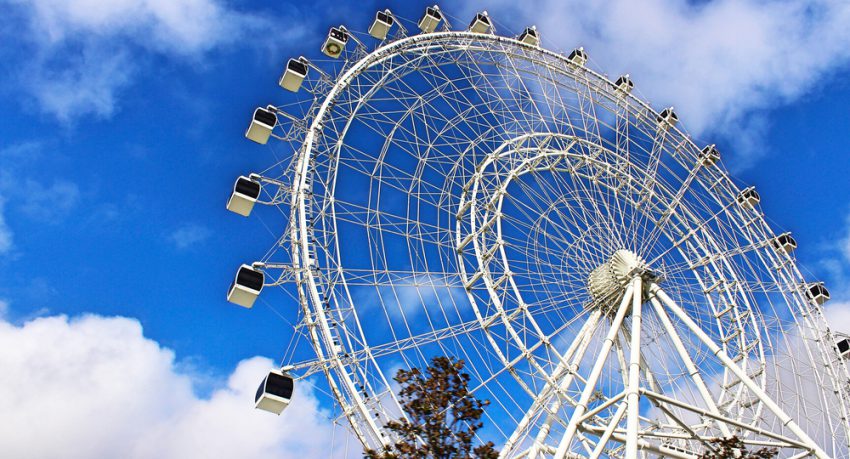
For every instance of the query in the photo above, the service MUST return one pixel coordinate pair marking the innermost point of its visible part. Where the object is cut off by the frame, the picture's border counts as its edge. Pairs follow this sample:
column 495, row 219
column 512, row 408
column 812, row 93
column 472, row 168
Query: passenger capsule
column 261, row 125
column 381, row 25
column 431, row 19
column 481, row 23
column 667, row 117
column 624, row 84
column 245, row 192
column 817, row 293
column 785, row 243
column 274, row 392
column 749, row 197
column 293, row 76
column 335, row 43
column 529, row 36
column 843, row 347
column 246, row 287
column 578, row 57
column 709, row 155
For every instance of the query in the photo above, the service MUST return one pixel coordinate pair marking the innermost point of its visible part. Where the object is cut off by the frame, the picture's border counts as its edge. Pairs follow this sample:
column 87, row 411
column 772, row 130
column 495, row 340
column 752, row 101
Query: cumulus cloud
column 189, row 235
column 95, row 387
column 719, row 63
column 82, row 54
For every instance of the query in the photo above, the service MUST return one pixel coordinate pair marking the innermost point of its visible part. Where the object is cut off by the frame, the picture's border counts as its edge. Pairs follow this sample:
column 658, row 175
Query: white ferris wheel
column 612, row 290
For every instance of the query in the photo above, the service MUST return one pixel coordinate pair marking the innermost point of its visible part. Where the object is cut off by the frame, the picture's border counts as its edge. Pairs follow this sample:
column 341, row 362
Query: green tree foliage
column 443, row 416
column 734, row 448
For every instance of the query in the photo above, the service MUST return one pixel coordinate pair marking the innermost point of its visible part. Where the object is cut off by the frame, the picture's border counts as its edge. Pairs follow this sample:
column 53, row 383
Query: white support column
column 590, row 383
column 689, row 364
column 633, row 391
column 783, row 417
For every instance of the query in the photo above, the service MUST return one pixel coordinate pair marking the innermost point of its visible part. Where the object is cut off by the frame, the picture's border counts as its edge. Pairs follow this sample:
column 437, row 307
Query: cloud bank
column 95, row 387
column 719, row 63
column 81, row 54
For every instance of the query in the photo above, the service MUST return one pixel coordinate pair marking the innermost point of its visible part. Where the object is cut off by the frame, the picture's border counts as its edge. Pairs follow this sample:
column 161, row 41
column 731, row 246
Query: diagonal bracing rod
column 783, row 417
column 689, row 363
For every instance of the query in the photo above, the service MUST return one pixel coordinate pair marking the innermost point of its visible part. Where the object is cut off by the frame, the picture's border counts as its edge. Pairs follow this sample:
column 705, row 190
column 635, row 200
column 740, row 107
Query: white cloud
column 82, row 53
column 48, row 203
column 838, row 316
column 719, row 63
column 189, row 235
column 95, row 387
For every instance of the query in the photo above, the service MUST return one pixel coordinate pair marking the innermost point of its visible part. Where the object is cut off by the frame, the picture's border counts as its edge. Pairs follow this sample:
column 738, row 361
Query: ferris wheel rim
column 301, row 232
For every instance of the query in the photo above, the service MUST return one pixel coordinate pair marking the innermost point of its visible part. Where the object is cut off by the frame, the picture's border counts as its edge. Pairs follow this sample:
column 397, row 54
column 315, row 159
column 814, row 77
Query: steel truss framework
column 457, row 193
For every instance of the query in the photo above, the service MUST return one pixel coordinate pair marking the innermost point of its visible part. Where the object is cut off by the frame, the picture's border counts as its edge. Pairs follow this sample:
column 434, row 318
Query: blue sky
column 122, row 134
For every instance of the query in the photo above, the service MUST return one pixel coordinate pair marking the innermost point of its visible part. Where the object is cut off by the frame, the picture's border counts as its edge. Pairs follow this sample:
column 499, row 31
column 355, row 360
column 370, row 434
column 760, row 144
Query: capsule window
column 247, row 187
column 338, row 34
column 279, row 385
column 297, row 66
column 250, row 278
column 264, row 116
column 434, row 13
column 843, row 346
column 385, row 18
column 260, row 391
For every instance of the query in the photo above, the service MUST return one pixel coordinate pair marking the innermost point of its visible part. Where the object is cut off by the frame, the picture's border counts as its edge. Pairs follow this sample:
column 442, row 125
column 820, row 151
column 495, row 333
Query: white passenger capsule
column 785, row 243
column 749, row 197
column 246, row 287
column 244, row 195
column 335, row 43
column 709, row 155
column 578, row 57
column 261, row 125
column 431, row 19
column 480, row 23
column 529, row 36
column 274, row 392
column 381, row 25
column 817, row 293
column 293, row 75
column 624, row 84
column 667, row 117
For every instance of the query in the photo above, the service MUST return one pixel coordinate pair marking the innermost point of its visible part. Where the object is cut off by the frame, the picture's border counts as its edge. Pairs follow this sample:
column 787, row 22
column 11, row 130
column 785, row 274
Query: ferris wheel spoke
column 566, row 369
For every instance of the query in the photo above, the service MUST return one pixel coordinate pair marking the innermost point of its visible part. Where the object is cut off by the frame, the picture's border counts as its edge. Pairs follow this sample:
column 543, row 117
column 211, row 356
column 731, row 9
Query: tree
column 734, row 448
column 443, row 416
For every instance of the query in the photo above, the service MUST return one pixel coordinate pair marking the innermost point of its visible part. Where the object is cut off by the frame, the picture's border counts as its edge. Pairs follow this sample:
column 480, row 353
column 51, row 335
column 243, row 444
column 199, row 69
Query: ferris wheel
column 612, row 290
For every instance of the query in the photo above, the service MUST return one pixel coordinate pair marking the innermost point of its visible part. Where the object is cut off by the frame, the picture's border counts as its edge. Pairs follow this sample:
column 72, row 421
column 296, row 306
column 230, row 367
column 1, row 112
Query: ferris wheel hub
column 614, row 275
